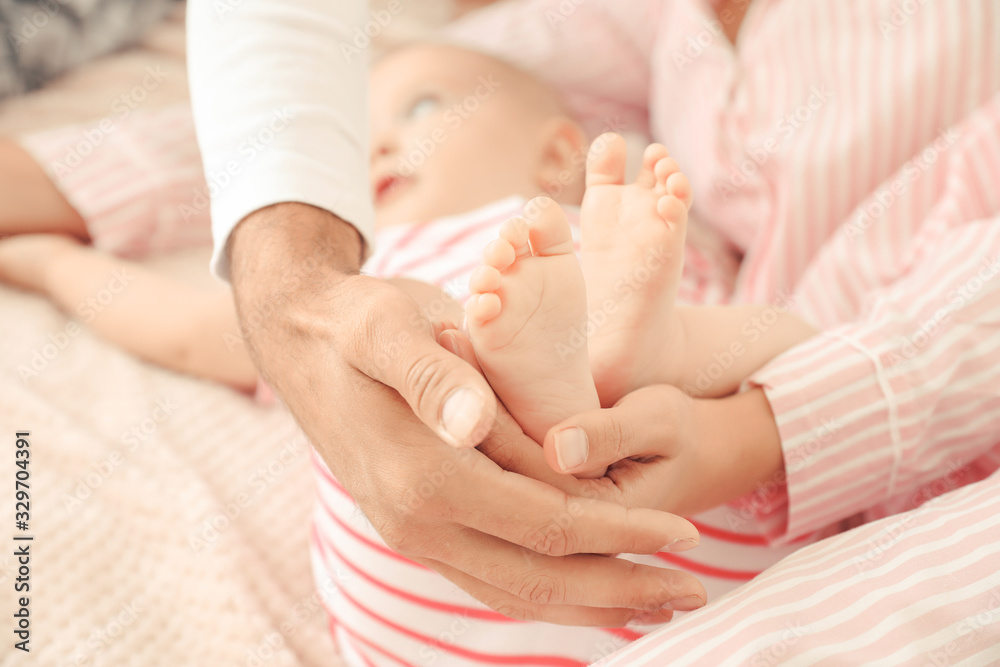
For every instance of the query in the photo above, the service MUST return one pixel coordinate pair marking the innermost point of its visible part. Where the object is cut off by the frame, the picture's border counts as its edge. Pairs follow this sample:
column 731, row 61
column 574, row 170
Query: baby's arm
column 723, row 345
column 158, row 318
column 29, row 200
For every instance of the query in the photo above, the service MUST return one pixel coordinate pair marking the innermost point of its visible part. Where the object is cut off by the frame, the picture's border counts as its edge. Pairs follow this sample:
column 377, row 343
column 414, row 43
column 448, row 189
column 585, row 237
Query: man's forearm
column 282, row 257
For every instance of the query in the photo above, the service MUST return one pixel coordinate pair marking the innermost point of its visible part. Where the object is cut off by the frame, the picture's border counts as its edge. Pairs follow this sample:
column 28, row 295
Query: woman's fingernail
column 688, row 603
column 572, row 448
column 681, row 544
column 461, row 412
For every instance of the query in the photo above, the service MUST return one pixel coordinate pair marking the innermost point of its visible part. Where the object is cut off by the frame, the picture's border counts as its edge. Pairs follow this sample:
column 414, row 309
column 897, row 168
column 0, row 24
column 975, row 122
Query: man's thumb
column 446, row 393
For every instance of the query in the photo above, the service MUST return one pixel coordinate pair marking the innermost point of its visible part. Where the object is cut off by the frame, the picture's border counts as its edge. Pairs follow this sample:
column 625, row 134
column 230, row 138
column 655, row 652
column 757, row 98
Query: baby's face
column 451, row 131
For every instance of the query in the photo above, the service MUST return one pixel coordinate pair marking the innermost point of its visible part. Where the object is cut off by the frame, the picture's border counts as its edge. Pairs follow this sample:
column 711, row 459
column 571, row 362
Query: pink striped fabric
column 136, row 179
column 849, row 150
column 920, row 588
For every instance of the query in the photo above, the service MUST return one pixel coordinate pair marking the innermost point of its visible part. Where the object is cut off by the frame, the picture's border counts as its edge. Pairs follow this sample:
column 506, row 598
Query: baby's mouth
column 387, row 185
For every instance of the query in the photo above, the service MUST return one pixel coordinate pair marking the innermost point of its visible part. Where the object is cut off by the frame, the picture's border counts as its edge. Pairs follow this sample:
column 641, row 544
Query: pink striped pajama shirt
column 860, row 183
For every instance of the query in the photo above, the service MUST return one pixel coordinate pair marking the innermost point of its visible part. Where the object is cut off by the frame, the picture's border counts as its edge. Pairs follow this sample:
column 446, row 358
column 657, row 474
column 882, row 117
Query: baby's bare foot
column 633, row 255
column 528, row 299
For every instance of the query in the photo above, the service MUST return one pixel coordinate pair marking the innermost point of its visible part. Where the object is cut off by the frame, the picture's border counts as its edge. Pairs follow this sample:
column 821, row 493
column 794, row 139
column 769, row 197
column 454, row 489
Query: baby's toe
column 548, row 228
column 481, row 308
column 652, row 156
column 484, row 279
column 515, row 232
column 606, row 160
column 671, row 209
column 679, row 186
column 499, row 253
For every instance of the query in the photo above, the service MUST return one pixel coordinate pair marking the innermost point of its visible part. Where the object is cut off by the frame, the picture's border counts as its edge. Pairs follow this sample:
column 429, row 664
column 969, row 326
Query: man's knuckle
column 425, row 376
column 398, row 537
column 538, row 588
column 551, row 540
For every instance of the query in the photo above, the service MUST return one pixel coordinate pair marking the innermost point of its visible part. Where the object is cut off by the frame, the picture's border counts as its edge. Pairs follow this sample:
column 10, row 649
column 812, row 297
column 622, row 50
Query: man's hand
column 357, row 363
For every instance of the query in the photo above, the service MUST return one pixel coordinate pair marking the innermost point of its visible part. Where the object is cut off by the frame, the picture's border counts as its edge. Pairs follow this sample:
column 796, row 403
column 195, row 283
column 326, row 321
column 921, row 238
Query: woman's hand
column 671, row 452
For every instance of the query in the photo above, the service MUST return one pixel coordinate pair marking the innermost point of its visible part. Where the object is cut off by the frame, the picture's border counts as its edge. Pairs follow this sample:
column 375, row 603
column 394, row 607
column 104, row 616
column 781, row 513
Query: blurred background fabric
column 43, row 38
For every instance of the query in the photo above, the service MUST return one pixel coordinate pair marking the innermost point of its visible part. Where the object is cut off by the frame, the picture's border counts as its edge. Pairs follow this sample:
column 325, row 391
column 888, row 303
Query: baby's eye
column 423, row 106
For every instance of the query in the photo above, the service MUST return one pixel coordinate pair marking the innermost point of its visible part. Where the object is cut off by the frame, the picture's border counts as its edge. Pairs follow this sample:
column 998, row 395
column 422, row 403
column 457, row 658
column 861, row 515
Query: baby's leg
column 632, row 256
column 162, row 320
column 527, row 316
column 29, row 200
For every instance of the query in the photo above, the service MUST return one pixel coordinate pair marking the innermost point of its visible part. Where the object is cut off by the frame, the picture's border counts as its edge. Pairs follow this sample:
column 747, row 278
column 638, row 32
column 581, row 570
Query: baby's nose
column 382, row 147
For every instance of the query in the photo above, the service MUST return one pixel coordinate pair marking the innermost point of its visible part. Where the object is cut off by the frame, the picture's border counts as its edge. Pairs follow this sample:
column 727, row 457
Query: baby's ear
column 564, row 158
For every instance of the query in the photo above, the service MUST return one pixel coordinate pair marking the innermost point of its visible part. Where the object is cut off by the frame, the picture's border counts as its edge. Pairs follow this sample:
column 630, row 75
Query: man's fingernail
column 462, row 411
column 652, row 618
column 681, row 544
column 572, row 448
column 689, row 603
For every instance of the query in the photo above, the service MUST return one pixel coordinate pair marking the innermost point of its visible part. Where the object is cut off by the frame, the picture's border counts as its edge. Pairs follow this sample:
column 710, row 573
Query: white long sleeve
column 280, row 92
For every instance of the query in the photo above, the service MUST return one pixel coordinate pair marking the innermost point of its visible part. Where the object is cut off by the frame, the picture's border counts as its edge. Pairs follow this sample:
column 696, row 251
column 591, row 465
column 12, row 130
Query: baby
column 468, row 154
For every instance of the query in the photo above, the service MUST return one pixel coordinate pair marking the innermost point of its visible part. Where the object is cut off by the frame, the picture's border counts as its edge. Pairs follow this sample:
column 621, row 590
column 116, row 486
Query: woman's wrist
column 739, row 445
